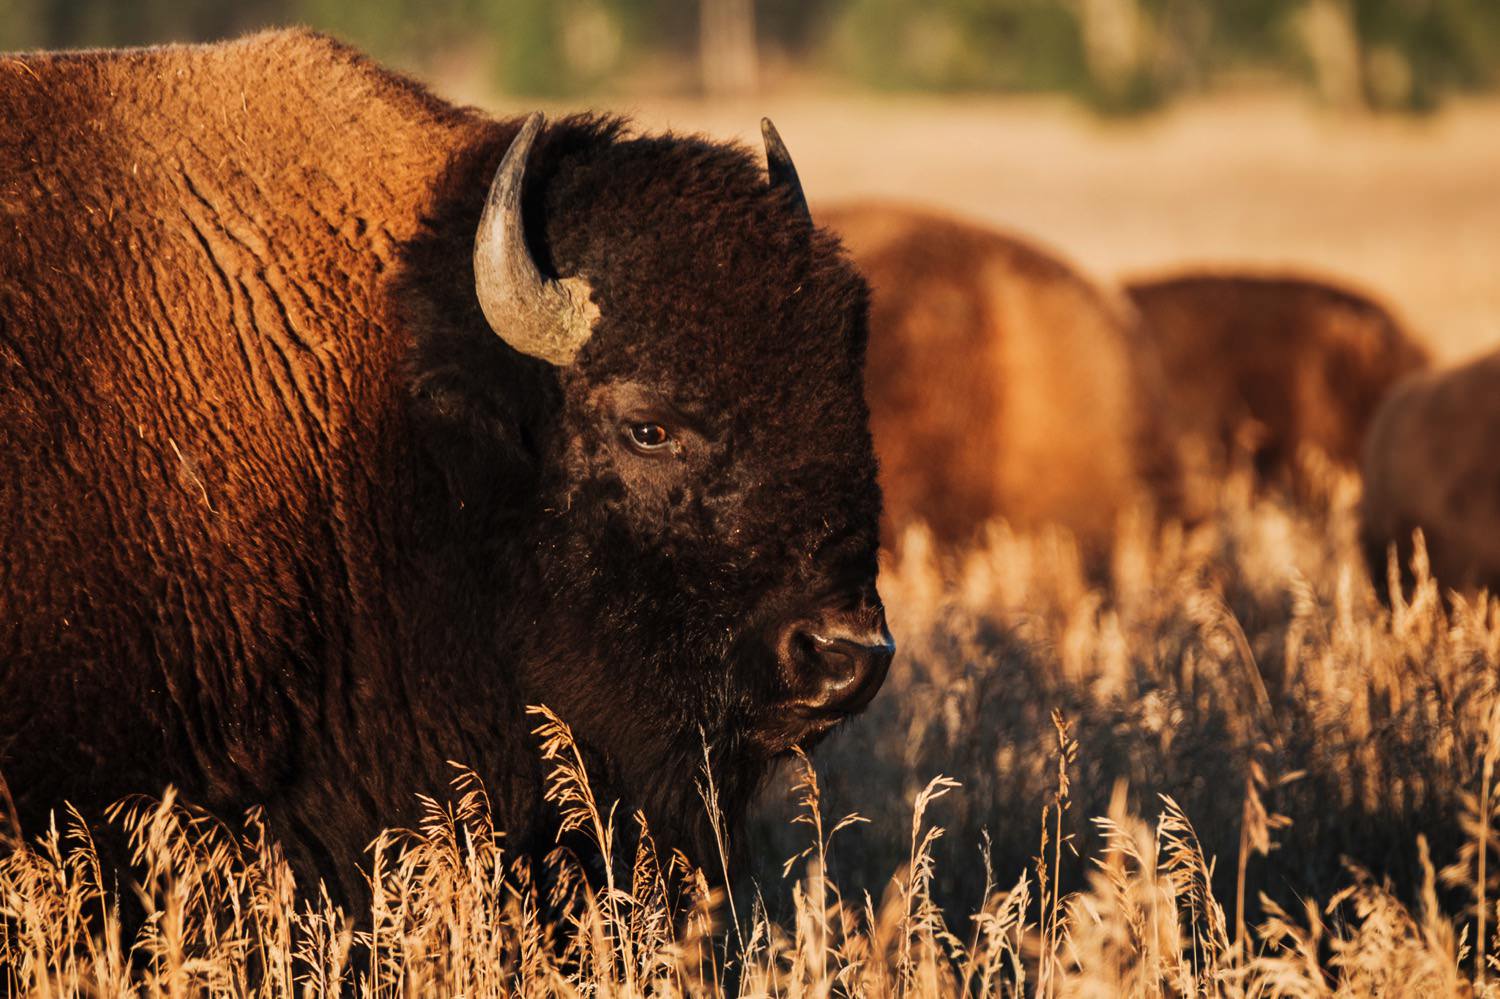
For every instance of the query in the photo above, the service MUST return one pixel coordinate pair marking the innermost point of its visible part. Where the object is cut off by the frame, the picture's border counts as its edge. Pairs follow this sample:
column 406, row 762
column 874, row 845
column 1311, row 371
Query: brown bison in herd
column 1430, row 464
column 1268, row 364
column 338, row 425
column 1002, row 383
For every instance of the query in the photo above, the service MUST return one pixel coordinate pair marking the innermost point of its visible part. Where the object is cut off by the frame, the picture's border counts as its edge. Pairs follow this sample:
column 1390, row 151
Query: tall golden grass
column 1229, row 770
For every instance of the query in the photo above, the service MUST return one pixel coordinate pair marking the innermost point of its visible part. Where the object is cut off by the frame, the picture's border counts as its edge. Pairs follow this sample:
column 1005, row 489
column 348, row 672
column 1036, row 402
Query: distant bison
column 1430, row 463
column 320, row 463
column 1267, row 363
column 1002, row 383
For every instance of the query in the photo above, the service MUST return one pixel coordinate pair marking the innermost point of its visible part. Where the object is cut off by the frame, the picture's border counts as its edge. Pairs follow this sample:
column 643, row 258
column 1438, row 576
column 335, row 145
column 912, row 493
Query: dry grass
column 1253, row 642
column 1231, row 771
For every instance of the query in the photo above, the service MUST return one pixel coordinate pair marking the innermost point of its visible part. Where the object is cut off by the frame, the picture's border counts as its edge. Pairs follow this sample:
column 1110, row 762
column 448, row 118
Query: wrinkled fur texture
column 287, row 524
column 1271, row 362
column 1002, row 383
column 1429, row 463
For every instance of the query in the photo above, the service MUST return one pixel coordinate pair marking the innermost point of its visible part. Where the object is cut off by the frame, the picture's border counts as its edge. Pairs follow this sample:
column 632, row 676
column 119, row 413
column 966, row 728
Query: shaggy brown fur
column 1269, row 363
column 1002, row 383
column 287, row 524
column 1430, row 463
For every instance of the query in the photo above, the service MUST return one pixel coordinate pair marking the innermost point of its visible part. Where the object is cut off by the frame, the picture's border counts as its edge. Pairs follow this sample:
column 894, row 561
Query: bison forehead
column 704, row 275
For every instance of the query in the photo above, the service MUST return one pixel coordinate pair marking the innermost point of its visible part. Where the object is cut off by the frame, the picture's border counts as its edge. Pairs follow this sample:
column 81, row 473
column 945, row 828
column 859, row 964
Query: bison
column 1268, row 363
column 1002, row 383
column 1429, row 463
column 338, row 425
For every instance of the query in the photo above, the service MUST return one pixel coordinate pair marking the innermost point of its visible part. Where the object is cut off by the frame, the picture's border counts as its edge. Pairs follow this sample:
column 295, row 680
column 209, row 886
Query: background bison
column 1265, row 364
column 309, row 489
column 1002, row 383
column 1430, row 464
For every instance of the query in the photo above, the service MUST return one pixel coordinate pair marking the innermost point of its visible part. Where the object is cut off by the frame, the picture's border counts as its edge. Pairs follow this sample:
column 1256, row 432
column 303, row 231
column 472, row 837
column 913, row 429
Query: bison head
column 670, row 391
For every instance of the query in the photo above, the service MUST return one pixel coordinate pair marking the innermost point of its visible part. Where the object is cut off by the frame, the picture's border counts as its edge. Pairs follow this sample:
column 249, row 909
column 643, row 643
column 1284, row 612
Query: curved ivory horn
column 546, row 318
column 779, row 166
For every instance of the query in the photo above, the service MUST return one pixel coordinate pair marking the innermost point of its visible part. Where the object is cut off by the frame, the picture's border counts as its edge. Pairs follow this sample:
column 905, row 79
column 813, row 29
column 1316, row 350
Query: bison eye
column 649, row 436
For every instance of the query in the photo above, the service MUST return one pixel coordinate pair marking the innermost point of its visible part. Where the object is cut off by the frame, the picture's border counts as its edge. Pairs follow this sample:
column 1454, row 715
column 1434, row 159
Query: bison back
column 1429, row 465
column 1269, row 364
column 1002, row 384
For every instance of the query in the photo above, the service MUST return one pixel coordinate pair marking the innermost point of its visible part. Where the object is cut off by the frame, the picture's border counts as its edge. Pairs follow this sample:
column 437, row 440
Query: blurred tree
column 726, row 48
column 405, row 31
column 795, row 27
column 1118, row 39
column 960, row 44
column 20, row 23
column 529, row 33
column 75, row 23
column 1414, row 51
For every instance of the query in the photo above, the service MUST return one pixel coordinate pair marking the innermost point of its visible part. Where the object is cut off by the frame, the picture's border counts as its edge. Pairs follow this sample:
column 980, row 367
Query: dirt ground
column 1408, row 209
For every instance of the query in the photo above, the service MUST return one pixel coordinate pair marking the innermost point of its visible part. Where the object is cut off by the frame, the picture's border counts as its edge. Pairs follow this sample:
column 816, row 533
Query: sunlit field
column 1231, row 770
column 1223, row 767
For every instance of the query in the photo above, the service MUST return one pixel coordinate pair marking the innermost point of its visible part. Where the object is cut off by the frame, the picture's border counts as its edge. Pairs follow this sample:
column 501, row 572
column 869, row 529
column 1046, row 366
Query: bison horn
column 779, row 166
column 545, row 317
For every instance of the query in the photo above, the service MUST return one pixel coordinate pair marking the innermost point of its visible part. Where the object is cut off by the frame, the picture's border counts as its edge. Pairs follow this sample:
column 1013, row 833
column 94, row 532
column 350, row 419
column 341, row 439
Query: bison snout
column 835, row 667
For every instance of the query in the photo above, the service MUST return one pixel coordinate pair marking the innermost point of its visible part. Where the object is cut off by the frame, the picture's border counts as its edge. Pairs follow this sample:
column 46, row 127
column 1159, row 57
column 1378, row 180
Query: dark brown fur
column 287, row 524
column 1271, row 363
column 1430, row 463
column 1002, row 383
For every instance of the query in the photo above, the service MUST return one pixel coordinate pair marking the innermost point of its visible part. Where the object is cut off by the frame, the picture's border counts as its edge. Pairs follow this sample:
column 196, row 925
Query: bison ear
column 549, row 318
column 781, row 169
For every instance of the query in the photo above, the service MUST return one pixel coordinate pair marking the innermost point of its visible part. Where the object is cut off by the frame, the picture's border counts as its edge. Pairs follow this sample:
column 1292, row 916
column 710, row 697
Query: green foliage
column 960, row 45
column 1119, row 55
column 1417, row 50
column 89, row 23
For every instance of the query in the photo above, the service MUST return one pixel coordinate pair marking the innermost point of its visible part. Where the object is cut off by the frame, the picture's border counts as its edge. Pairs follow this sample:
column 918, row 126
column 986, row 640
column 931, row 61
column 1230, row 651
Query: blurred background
column 1352, row 138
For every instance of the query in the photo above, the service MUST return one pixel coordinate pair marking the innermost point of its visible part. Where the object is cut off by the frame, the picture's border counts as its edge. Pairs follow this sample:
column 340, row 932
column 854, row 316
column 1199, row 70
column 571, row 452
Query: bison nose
column 839, row 668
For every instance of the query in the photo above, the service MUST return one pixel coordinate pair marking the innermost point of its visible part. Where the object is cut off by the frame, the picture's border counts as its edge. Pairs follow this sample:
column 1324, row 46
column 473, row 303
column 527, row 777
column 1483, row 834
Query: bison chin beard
column 645, row 659
column 685, row 782
column 661, row 735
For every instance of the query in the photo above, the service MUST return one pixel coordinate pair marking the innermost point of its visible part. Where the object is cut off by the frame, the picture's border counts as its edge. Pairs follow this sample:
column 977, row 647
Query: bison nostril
column 843, row 670
column 840, row 658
